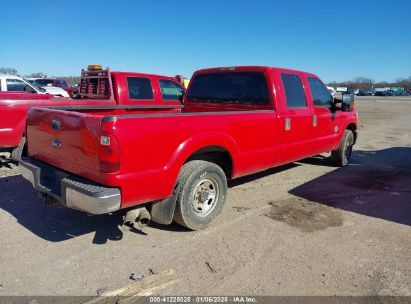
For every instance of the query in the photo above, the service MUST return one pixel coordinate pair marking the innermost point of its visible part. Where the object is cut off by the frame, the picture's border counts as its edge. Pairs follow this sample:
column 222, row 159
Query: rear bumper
column 71, row 191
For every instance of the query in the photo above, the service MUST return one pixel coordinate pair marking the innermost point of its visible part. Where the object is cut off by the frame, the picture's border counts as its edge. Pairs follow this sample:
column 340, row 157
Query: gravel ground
column 302, row 229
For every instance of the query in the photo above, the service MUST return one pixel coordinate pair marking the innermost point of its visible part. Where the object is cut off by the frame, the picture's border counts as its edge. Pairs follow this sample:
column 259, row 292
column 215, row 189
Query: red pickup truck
column 110, row 92
column 235, row 121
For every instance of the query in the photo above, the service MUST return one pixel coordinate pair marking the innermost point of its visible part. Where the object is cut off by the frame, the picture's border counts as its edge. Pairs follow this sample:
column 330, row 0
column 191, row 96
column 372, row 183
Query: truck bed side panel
column 156, row 146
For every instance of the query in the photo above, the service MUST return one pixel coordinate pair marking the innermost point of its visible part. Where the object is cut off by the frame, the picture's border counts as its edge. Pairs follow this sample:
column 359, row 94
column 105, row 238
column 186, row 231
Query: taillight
column 109, row 154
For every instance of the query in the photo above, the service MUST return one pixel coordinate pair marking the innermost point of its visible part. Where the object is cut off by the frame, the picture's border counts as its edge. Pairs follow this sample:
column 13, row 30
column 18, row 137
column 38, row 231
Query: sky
column 337, row 40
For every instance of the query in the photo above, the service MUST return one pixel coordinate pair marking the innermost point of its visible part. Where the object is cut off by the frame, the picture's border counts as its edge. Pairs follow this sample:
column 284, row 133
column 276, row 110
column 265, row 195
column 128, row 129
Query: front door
column 295, row 121
column 325, row 127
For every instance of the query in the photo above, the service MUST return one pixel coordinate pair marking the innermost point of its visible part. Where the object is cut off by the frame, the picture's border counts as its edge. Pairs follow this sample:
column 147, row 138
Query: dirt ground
column 302, row 229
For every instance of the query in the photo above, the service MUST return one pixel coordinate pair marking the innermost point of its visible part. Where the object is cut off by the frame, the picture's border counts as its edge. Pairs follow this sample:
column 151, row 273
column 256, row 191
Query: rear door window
column 249, row 88
column 294, row 91
column 17, row 85
column 139, row 88
column 171, row 90
column 321, row 96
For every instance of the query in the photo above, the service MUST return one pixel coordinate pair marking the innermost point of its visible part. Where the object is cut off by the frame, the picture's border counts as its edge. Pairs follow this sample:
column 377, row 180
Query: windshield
column 33, row 84
column 43, row 82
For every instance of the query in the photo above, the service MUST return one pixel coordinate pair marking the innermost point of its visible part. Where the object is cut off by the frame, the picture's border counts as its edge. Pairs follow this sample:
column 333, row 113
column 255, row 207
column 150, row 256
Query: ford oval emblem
column 55, row 143
column 56, row 125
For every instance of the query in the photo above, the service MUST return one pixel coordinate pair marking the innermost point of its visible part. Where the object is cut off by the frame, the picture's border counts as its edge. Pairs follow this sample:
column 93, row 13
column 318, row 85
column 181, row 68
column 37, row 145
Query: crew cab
column 163, row 166
column 110, row 92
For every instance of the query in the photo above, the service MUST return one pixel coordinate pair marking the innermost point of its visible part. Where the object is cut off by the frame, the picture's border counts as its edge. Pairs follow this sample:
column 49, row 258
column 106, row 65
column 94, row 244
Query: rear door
column 326, row 121
column 295, row 119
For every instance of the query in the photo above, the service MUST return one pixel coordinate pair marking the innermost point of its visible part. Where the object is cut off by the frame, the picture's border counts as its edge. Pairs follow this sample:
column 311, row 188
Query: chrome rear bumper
column 71, row 191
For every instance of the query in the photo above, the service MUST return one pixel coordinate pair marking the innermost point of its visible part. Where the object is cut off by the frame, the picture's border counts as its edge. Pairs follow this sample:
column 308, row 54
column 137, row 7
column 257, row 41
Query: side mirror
column 347, row 99
column 182, row 96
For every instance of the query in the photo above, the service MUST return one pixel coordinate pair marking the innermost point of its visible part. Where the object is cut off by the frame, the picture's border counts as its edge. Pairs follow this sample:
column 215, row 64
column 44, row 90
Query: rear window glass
column 294, row 91
column 139, row 88
column 231, row 87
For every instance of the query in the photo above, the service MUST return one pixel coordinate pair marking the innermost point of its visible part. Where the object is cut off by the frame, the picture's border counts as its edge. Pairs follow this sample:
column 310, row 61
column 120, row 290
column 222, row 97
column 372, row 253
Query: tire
column 201, row 196
column 342, row 155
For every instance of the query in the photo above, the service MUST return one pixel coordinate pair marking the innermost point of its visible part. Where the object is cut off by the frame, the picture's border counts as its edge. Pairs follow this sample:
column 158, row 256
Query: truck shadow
column 21, row 201
column 56, row 224
column 375, row 184
column 249, row 178
column 7, row 163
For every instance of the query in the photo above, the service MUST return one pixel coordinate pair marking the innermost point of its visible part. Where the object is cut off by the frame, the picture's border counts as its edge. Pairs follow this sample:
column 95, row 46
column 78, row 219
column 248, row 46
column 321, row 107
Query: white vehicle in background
column 382, row 89
column 342, row 89
column 331, row 90
column 13, row 83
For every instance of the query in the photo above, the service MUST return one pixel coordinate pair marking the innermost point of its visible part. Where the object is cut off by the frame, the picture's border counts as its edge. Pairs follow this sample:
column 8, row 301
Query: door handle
column 314, row 120
column 287, row 124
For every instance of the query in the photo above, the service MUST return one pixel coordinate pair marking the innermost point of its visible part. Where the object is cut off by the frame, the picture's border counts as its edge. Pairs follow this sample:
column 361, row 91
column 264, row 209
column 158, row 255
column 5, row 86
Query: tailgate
column 67, row 140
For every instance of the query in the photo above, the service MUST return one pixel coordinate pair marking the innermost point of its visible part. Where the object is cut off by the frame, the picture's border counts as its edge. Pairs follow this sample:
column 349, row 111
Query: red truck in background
column 235, row 121
column 110, row 92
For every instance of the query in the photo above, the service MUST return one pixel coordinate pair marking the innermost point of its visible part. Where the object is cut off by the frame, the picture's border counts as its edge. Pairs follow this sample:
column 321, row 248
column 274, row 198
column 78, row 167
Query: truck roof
column 249, row 68
column 141, row 75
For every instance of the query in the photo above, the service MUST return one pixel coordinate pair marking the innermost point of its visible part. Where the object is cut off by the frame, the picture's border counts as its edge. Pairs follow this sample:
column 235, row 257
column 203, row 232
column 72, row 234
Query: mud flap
column 18, row 151
column 162, row 211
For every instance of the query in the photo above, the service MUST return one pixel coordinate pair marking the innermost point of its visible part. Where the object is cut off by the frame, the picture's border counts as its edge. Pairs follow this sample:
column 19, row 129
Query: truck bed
column 148, row 153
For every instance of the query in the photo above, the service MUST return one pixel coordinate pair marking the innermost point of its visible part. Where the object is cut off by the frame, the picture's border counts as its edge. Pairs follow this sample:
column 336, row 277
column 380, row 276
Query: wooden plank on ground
column 144, row 287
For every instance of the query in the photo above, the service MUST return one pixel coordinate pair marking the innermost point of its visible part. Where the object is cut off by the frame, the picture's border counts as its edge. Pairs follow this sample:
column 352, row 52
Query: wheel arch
column 216, row 154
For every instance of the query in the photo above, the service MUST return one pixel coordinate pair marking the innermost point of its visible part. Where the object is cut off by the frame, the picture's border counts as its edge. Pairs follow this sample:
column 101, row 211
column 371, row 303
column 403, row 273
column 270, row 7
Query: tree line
column 364, row 83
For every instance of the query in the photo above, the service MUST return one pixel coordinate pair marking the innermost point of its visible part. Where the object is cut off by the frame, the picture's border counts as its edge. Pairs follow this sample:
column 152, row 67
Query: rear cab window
column 240, row 88
column 139, row 88
column 294, row 91
column 170, row 90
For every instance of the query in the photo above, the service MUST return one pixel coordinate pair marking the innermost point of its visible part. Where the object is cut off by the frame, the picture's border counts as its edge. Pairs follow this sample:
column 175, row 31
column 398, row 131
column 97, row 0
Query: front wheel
column 203, row 188
column 342, row 155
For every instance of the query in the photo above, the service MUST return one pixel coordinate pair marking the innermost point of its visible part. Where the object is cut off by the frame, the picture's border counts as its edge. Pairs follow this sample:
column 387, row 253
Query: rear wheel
column 203, row 188
column 342, row 155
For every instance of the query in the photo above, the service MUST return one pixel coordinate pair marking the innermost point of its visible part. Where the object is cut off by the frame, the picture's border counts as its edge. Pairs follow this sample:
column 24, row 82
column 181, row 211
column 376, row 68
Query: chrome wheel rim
column 205, row 196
